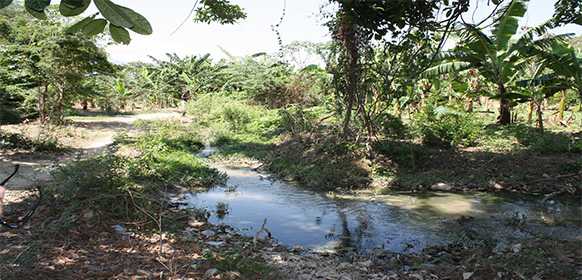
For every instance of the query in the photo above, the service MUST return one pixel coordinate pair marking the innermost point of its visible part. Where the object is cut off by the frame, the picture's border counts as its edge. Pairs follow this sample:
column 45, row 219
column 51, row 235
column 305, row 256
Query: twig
column 186, row 19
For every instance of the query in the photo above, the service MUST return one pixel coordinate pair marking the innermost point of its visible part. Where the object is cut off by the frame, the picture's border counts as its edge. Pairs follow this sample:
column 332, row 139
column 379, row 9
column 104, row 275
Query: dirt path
column 82, row 137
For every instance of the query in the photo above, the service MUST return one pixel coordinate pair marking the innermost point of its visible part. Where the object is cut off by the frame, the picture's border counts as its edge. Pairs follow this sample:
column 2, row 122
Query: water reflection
column 398, row 223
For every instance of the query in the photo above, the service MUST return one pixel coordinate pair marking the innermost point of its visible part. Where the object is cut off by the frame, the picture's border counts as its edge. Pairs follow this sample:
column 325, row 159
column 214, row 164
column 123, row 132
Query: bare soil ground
column 81, row 137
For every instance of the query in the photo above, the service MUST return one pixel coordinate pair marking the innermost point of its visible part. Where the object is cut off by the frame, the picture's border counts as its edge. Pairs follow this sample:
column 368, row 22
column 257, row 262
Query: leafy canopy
column 123, row 19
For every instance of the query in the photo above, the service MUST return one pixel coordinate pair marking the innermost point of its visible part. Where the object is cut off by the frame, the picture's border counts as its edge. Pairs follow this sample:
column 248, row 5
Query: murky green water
column 400, row 222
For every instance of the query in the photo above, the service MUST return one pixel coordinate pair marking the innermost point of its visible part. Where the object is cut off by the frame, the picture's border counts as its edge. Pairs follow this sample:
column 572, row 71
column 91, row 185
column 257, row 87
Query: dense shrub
column 392, row 126
column 295, row 119
column 229, row 118
column 441, row 126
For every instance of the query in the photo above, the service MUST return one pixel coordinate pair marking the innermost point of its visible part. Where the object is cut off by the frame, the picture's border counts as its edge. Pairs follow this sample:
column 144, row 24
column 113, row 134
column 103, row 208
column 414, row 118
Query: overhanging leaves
column 445, row 68
column 140, row 24
column 71, row 8
column 77, row 27
column 37, row 5
column 5, row 3
column 119, row 34
column 114, row 13
column 36, row 14
column 95, row 27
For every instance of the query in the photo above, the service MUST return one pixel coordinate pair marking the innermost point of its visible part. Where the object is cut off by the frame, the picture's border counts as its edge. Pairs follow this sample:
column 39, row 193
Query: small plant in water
column 231, row 189
column 222, row 209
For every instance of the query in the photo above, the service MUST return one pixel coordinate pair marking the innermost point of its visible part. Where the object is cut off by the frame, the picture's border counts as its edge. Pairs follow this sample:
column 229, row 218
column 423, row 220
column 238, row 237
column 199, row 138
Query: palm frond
column 445, row 68
column 508, row 22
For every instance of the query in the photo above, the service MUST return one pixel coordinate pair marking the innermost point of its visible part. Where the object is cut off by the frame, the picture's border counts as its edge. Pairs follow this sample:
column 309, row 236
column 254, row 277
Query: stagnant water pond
column 400, row 222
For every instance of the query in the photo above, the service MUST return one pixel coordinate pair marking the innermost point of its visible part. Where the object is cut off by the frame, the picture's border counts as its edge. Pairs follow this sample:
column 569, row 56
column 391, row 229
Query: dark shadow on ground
column 99, row 113
column 418, row 167
column 104, row 124
column 534, row 140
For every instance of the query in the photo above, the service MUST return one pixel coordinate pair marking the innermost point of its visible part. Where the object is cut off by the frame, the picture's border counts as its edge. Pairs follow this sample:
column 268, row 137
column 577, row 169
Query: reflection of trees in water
column 352, row 239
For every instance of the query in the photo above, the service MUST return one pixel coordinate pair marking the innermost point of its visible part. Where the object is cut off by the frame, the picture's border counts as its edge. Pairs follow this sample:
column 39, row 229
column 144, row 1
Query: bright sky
column 303, row 22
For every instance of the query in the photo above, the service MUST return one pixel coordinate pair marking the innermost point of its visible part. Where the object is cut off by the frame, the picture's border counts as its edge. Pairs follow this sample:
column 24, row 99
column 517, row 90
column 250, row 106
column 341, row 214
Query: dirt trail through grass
column 82, row 137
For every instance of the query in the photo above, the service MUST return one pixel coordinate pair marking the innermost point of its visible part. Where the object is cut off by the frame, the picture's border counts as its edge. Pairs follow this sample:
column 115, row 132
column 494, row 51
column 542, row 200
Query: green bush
column 441, row 126
column 393, row 126
column 295, row 119
column 236, row 116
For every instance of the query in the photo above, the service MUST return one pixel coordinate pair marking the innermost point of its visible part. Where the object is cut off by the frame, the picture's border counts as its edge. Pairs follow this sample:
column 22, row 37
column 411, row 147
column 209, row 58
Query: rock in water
column 441, row 187
column 210, row 273
column 208, row 233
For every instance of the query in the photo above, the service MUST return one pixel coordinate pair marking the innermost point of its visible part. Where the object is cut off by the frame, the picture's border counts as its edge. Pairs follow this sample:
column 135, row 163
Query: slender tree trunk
column 42, row 106
column 350, row 44
column 470, row 104
column 504, row 107
column 562, row 106
column 59, row 111
column 539, row 111
column 530, row 112
column 397, row 110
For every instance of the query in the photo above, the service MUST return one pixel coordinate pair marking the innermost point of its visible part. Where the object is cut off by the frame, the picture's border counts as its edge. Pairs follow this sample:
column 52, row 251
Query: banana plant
column 565, row 62
column 498, row 56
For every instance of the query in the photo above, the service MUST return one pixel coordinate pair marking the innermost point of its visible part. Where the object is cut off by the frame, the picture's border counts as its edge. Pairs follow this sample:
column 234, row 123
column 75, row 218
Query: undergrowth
column 17, row 141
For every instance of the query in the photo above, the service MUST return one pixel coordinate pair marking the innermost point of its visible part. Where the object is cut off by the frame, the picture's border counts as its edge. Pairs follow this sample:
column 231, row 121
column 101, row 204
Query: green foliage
column 266, row 81
column 45, row 69
column 220, row 11
column 231, row 119
column 508, row 22
column 71, row 8
column 120, row 18
column 235, row 116
column 297, row 120
column 442, row 126
column 41, row 144
column 119, row 34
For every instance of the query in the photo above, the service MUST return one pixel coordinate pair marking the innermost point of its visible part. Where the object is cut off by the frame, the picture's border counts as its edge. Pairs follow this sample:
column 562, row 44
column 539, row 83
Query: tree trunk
column 530, row 112
column 504, row 107
column 59, row 112
column 539, row 111
column 562, row 106
column 469, row 104
column 350, row 44
column 42, row 99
